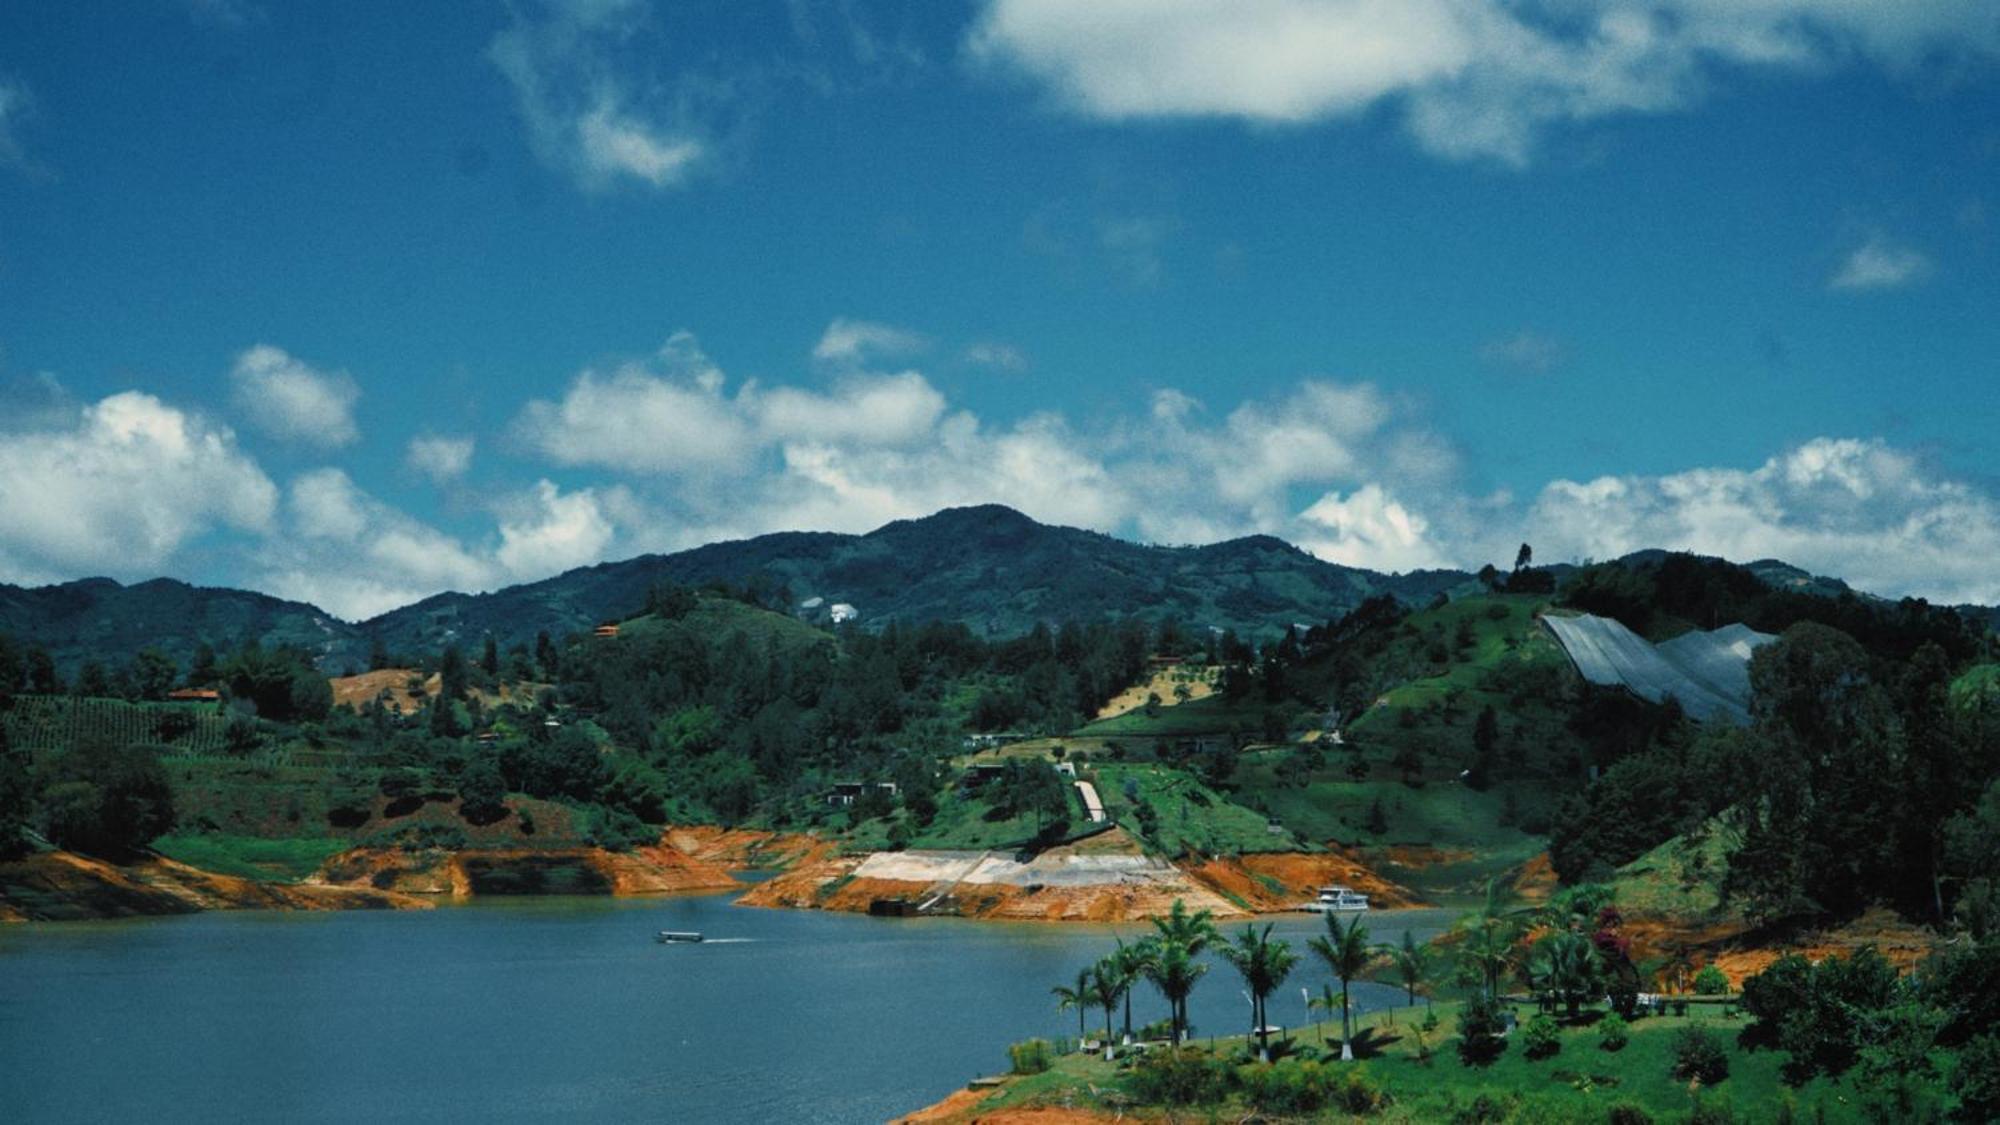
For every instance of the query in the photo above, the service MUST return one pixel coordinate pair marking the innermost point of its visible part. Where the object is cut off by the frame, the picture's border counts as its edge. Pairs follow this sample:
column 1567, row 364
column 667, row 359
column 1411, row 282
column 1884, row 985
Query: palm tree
column 1078, row 998
column 1174, row 971
column 1345, row 950
column 1192, row 932
column 1326, row 1002
column 1264, row 964
column 1565, row 967
column 1487, row 935
column 1129, row 963
column 1411, row 962
column 1106, row 986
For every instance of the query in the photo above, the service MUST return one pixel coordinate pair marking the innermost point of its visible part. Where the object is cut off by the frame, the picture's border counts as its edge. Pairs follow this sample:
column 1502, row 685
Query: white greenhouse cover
column 1709, row 673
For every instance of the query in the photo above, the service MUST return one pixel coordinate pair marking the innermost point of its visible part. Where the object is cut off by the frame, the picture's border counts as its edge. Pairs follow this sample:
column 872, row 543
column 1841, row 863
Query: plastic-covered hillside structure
column 1709, row 673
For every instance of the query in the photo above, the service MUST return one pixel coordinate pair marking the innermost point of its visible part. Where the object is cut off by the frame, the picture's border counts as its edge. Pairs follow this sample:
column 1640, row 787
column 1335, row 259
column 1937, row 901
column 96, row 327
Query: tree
column 1174, row 971
column 482, row 792
column 92, row 682
column 489, row 656
column 154, row 673
column 1486, row 936
column 1410, row 962
column 1129, row 963
column 1263, row 964
column 16, row 798
column 451, row 675
column 1077, row 997
column 1106, row 986
column 378, row 653
column 202, row 670
column 106, row 800
column 1346, row 951
column 547, row 657
column 1564, row 968
column 42, row 678
column 1524, row 558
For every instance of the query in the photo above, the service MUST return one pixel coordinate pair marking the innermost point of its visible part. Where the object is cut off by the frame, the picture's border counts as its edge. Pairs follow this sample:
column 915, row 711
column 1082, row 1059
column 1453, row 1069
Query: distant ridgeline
column 990, row 568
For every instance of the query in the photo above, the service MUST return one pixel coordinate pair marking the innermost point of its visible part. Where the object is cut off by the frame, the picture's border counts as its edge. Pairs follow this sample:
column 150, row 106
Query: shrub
column 1180, row 1076
column 1711, row 981
column 1613, row 1032
column 1541, row 1038
column 1699, row 1055
column 1623, row 1114
column 1480, row 1031
column 1300, row 1088
column 1707, row 1112
column 1031, row 1056
column 1482, row 1110
column 1976, row 1080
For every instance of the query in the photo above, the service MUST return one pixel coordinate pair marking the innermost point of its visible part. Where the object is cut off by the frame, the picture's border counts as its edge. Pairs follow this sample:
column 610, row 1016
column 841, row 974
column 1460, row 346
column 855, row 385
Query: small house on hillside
column 609, row 630
column 194, row 695
column 980, row 774
column 845, row 793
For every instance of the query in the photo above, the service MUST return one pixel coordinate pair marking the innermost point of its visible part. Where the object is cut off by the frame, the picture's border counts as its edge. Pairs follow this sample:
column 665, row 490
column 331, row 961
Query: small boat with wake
column 678, row 937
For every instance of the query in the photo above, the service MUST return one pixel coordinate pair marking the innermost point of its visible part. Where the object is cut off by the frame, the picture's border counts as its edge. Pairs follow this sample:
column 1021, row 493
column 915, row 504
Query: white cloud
column 1525, row 352
column 1879, row 263
column 356, row 557
column 998, row 356
column 873, row 409
column 118, row 488
column 288, row 399
column 547, row 532
column 665, row 415
column 1471, row 78
column 584, row 115
column 847, row 342
column 1861, row 510
column 1368, row 529
column 442, row 459
column 14, row 105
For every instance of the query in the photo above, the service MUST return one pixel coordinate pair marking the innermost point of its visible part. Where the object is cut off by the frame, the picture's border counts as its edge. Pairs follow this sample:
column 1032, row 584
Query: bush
column 1293, row 1088
column 1699, row 1056
column 1480, row 1030
column 1711, row 981
column 1541, row 1038
column 1623, row 1114
column 1613, row 1033
column 1180, row 1076
column 1976, row 1080
column 106, row 800
column 1707, row 1112
column 1032, row 1056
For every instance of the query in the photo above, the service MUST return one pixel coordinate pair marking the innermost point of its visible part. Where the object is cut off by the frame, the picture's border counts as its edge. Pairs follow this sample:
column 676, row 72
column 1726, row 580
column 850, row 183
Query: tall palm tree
column 1345, row 950
column 1326, row 1002
column 1106, row 986
column 1192, row 931
column 1487, row 935
column 1411, row 963
column 1174, row 971
column 1078, row 998
column 1264, row 964
column 1129, row 962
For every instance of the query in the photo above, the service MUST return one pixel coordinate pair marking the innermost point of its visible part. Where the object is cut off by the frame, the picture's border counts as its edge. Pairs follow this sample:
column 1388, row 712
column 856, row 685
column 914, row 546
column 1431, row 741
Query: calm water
column 553, row 1007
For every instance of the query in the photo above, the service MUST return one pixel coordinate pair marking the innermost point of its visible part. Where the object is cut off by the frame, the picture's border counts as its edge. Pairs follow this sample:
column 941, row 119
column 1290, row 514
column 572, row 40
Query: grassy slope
column 1580, row 1083
column 285, row 860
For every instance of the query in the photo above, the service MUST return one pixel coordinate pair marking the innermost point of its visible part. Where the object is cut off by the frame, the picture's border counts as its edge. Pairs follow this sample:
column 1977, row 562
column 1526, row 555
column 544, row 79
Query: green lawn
column 250, row 857
column 1212, row 715
column 1189, row 816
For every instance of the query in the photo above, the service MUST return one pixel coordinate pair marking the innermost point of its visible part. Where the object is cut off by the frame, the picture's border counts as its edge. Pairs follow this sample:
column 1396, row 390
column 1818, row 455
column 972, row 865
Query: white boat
column 1337, row 900
column 667, row 936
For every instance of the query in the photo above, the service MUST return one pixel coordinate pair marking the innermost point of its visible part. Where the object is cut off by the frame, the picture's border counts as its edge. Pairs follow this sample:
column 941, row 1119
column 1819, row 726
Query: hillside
column 99, row 618
column 989, row 567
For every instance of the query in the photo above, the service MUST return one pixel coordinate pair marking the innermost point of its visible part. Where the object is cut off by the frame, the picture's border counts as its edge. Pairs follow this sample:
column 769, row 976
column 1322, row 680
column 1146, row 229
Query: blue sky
column 354, row 303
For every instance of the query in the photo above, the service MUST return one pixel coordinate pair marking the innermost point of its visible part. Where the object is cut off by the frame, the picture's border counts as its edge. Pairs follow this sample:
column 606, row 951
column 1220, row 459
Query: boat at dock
column 1337, row 900
column 667, row 937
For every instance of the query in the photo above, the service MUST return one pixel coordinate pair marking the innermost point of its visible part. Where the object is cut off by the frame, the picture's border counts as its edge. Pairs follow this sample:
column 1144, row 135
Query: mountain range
column 990, row 567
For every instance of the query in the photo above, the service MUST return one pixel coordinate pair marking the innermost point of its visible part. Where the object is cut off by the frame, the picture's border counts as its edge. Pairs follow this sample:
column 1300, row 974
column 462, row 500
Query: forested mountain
column 990, row 568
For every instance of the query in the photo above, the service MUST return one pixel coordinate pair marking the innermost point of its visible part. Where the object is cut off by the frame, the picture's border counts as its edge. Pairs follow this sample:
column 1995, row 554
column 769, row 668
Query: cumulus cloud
column 288, row 399
column 585, row 115
column 1879, row 263
column 355, row 556
column 1470, row 78
column 1860, row 509
column 663, row 414
column 1368, row 528
column 442, row 459
column 847, row 342
column 117, row 487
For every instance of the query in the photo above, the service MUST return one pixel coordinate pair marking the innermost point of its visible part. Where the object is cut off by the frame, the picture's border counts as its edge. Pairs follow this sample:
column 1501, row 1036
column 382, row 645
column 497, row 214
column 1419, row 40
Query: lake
column 531, row 1008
